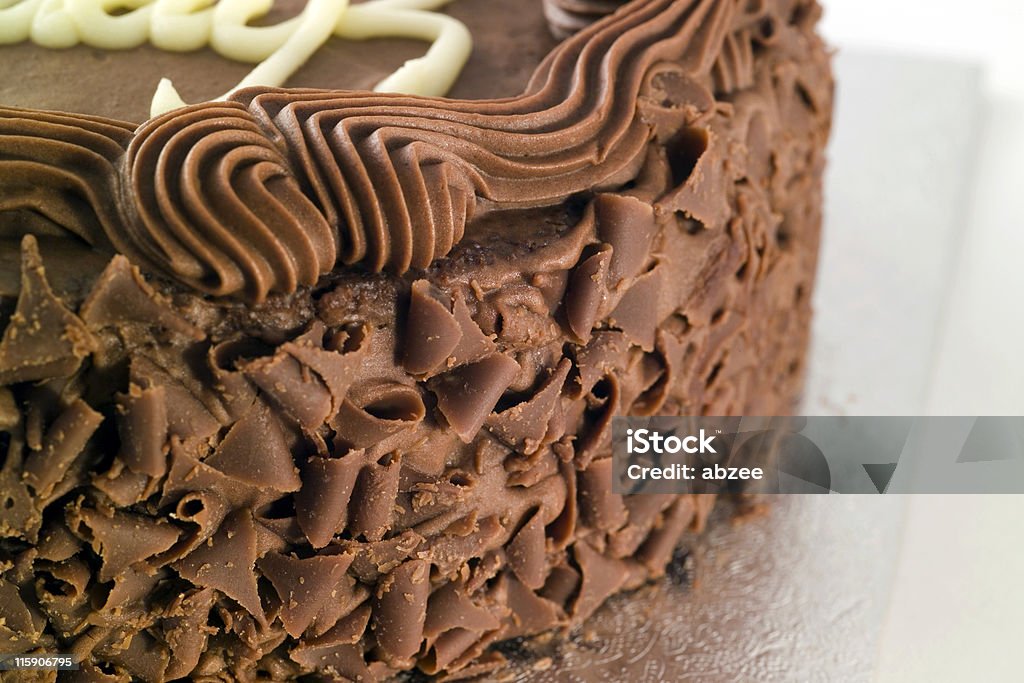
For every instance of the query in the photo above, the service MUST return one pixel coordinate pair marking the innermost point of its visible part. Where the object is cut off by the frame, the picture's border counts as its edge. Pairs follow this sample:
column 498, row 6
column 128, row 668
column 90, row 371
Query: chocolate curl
column 62, row 591
column 657, row 550
column 127, row 601
column 322, row 504
column 188, row 474
column 628, row 226
column 186, row 631
column 562, row 583
column 340, row 649
column 145, row 657
column 335, row 357
column 704, row 157
column 123, row 486
column 644, row 512
column 563, row 528
column 372, row 508
column 473, row 345
column 57, row 543
column 348, row 597
column 598, row 435
column 450, row 608
column 374, row 560
column 142, row 425
column 206, row 510
column 236, row 392
column 43, row 339
column 525, row 425
column 458, row 629
column 20, row 516
column 227, row 563
column 374, row 413
column 604, row 352
column 431, row 331
column 399, row 612
column 309, row 376
column 65, row 440
column 602, row 576
column 531, row 471
column 599, row 507
column 21, row 627
column 10, row 414
column 304, row 585
column 122, row 296
column 255, row 452
column 121, row 539
column 527, row 552
column 188, row 417
column 531, row 614
column 641, row 309
column 467, row 395
column 301, row 394
column 449, row 552
column 587, row 293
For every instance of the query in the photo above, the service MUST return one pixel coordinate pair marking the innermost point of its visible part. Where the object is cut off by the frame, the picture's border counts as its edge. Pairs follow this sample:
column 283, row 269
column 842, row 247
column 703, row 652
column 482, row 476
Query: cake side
column 384, row 471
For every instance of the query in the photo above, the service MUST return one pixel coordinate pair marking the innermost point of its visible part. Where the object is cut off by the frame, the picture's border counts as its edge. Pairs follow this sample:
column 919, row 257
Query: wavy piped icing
column 276, row 187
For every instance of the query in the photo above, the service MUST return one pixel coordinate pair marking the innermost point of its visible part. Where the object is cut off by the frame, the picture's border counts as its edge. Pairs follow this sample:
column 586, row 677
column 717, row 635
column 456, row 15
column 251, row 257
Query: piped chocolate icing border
column 273, row 189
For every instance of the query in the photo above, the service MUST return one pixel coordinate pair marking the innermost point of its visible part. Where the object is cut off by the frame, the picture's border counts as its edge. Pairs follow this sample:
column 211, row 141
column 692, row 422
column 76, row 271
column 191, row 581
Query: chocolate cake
column 317, row 382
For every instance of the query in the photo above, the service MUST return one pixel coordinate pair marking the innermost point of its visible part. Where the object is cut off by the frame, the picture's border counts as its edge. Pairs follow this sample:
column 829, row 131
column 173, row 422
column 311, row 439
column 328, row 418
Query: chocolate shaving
column 527, row 554
column 372, row 507
column 587, row 294
column 143, row 430
column 628, row 226
column 599, row 507
column 431, row 331
column 400, row 611
column 121, row 297
column 466, row 395
column 187, row 632
column 602, row 576
column 379, row 411
column 65, row 439
column 122, row 539
column 304, row 585
column 473, row 344
column 227, row 563
column 639, row 311
column 43, row 338
column 255, row 452
column 322, row 503
column 525, row 425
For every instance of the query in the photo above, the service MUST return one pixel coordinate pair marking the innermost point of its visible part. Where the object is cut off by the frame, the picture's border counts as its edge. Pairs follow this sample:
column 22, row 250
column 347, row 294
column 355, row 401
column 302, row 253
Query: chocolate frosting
column 382, row 471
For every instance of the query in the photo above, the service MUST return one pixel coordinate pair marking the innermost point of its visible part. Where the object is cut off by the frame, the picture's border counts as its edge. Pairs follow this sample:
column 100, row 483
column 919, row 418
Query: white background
column 957, row 607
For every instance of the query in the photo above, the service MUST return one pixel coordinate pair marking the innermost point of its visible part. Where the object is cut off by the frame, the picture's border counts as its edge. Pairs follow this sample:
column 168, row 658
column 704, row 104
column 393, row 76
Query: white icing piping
column 278, row 50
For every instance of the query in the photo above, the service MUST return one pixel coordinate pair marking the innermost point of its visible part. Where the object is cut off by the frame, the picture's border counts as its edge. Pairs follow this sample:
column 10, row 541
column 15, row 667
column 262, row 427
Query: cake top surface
column 509, row 40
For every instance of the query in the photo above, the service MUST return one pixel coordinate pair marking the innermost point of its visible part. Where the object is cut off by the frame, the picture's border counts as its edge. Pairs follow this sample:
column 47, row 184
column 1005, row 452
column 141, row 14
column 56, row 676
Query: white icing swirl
column 278, row 50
